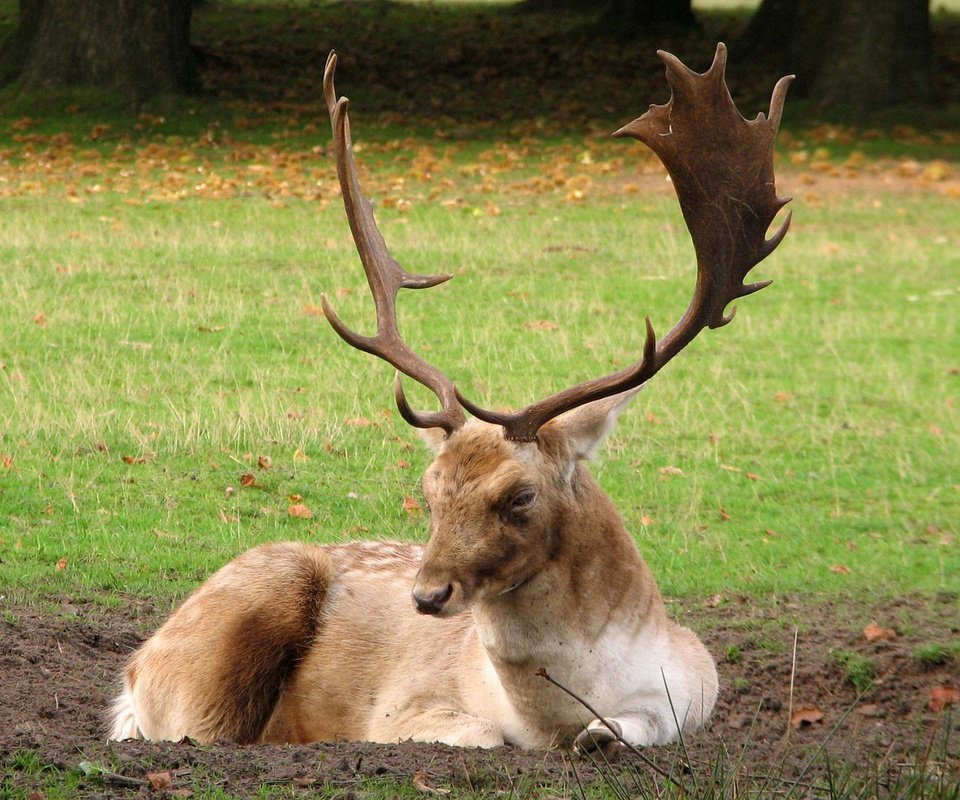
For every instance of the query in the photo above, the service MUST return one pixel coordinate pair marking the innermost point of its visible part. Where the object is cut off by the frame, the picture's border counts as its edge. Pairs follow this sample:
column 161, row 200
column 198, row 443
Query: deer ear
column 434, row 438
column 586, row 427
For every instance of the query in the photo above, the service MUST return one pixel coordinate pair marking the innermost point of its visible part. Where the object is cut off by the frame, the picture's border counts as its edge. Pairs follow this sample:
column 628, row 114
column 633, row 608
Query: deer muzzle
column 431, row 601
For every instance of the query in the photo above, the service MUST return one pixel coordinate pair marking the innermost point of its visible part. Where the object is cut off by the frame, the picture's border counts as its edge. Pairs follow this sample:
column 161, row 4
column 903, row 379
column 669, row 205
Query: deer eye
column 522, row 501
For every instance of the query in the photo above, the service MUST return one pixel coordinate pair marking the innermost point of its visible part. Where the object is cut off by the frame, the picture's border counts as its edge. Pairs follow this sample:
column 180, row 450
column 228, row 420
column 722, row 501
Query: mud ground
column 60, row 661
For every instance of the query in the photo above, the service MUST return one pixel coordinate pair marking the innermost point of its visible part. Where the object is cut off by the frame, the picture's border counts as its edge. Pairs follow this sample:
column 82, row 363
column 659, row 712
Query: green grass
column 813, row 436
column 857, row 669
column 27, row 774
column 936, row 654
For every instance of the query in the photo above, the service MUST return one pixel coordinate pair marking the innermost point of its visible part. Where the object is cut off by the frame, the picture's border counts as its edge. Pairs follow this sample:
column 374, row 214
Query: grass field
column 171, row 395
column 153, row 350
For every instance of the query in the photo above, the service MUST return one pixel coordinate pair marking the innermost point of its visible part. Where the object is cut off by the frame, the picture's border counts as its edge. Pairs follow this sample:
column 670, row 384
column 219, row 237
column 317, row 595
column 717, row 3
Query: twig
column 466, row 773
column 121, row 780
column 542, row 673
column 793, row 672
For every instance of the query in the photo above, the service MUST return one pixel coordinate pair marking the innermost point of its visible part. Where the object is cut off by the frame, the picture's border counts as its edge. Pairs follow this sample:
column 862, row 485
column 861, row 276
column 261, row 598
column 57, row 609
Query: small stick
column 542, row 673
column 793, row 672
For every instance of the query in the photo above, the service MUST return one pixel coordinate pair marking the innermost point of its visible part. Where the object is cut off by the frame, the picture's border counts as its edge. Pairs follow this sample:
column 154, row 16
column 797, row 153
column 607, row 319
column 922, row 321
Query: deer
column 528, row 571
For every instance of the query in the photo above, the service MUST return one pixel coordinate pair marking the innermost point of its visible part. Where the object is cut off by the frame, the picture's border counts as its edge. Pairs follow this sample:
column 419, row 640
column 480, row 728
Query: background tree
column 625, row 17
column 640, row 16
column 136, row 47
column 858, row 55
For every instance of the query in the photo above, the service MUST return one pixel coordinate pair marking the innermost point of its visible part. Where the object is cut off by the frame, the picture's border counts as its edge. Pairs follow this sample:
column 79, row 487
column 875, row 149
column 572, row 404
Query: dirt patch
column 59, row 668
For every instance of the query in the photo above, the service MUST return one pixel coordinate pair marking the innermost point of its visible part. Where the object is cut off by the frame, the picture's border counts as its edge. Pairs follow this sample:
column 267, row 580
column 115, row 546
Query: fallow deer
column 528, row 569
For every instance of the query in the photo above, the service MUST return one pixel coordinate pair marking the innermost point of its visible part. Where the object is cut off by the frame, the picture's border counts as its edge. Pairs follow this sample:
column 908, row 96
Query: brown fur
column 296, row 642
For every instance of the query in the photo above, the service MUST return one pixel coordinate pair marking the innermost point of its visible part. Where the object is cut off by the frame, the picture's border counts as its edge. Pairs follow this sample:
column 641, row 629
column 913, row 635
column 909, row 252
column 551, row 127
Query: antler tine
column 385, row 278
column 722, row 169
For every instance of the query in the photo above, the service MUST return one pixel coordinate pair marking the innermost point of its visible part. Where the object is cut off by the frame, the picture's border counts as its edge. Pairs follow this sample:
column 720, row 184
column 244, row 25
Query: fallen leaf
column 247, row 480
column 724, row 515
column 160, row 780
column 840, row 569
column 541, row 325
column 133, row 460
column 411, row 505
column 299, row 455
column 666, row 472
column 647, row 521
column 943, row 696
column 419, row 781
column 805, row 715
column 295, row 498
column 358, row 422
column 6, row 461
column 263, row 462
column 715, row 601
column 874, row 633
column 40, row 319
column 62, row 565
column 311, row 310
column 752, row 476
column 300, row 511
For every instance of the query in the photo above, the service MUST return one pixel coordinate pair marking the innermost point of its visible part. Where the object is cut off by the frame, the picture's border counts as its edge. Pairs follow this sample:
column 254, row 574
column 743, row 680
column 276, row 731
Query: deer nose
column 432, row 602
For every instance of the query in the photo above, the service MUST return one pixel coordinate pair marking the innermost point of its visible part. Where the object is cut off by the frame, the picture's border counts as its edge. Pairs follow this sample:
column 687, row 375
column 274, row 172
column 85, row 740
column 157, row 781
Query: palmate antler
column 722, row 168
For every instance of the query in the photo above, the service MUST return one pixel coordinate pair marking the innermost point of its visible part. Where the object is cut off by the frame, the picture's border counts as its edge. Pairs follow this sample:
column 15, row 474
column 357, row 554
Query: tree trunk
column 642, row 16
column 138, row 48
column 854, row 55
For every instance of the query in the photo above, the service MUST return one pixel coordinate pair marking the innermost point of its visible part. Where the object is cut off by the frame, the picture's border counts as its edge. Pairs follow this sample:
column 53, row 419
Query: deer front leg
column 608, row 736
column 444, row 725
column 599, row 738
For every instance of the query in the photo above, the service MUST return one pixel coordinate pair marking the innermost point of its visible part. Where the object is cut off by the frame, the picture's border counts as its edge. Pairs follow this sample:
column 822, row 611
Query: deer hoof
column 599, row 739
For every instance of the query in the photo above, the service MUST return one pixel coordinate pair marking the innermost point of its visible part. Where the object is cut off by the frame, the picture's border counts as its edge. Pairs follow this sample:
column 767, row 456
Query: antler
column 722, row 168
column 385, row 278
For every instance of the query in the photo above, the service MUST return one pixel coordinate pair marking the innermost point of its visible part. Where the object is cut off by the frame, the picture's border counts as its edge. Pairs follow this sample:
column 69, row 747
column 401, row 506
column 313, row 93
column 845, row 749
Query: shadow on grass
column 454, row 69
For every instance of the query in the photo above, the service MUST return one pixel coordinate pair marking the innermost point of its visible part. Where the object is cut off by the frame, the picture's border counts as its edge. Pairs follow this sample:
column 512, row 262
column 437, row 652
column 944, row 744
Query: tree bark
column 136, row 47
column 632, row 17
column 853, row 55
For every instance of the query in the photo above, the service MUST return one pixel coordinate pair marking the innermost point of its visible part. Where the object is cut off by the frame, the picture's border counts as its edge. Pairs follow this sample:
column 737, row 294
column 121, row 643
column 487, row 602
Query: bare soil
column 59, row 668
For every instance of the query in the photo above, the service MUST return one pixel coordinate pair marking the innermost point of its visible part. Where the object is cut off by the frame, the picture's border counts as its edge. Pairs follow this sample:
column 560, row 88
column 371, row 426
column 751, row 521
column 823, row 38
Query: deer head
column 505, row 489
